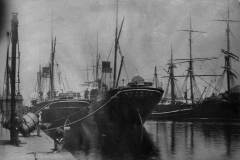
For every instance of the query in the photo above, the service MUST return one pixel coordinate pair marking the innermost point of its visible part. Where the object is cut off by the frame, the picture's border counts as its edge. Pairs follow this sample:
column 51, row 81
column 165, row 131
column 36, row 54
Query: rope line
column 85, row 117
column 54, row 102
column 90, row 114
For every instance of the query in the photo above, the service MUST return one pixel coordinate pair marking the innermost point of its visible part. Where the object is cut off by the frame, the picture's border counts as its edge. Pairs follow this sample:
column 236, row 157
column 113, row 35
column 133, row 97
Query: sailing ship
column 180, row 105
column 218, row 106
column 173, row 100
column 223, row 105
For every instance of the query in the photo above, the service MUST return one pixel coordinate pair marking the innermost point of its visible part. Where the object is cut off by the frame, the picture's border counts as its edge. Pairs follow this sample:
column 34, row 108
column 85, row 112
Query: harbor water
column 195, row 141
column 174, row 141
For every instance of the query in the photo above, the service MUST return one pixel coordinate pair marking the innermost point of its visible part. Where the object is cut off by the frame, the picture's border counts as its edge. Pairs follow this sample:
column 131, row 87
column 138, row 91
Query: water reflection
column 106, row 141
column 201, row 141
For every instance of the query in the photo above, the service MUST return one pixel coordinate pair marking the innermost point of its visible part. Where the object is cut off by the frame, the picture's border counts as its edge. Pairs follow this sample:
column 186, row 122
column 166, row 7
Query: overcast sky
column 149, row 29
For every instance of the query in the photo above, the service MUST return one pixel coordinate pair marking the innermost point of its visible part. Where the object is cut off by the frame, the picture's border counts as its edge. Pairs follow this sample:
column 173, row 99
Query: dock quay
column 30, row 148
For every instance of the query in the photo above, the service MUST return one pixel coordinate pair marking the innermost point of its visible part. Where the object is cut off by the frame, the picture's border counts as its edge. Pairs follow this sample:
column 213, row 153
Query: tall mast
column 18, row 71
column 39, row 81
column 7, row 67
column 191, row 62
column 14, row 28
column 52, row 89
column 115, row 48
column 51, row 65
column 171, row 77
column 97, row 60
column 190, row 69
column 227, row 58
column 228, row 54
column 155, row 77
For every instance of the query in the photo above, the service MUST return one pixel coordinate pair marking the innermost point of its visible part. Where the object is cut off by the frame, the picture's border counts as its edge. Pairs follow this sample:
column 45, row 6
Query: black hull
column 54, row 112
column 217, row 109
column 224, row 107
column 128, row 106
column 120, row 122
column 59, row 112
column 211, row 109
column 171, row 111
column 124, row 109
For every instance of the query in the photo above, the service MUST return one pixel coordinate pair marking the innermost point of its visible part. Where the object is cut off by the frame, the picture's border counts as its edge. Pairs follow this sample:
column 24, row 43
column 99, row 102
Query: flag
column 106, row 67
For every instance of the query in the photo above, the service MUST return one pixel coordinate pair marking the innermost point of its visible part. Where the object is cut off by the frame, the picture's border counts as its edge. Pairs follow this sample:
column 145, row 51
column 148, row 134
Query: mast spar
column 7, row 91
column 155, row 79
column 115, row 48
column 18, row 70
column 52, row 89
column 97, row 60
column 190, row 69
column 52, row 59
column 228, row 54
column 172, row 78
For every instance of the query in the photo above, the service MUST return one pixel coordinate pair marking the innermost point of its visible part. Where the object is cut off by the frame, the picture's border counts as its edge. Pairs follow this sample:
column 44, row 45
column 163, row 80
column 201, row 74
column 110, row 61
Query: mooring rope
column 85, row 117
column 90, row 114
column 49, row 104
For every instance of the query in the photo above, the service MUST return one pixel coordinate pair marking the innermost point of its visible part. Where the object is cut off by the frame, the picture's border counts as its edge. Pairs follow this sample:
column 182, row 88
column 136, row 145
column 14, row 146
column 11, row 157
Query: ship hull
column 60, row 113
column 120, row 119
column 218, row 108
column 171, row 111
column 128, row 106
column 121, row 109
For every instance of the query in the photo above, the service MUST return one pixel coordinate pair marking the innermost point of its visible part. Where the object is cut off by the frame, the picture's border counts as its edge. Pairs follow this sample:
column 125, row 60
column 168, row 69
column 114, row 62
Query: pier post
column 13, row 120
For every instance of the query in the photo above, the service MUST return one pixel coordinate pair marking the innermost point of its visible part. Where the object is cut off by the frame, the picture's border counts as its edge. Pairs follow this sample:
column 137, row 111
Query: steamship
column 123, row 106
column 57, row 110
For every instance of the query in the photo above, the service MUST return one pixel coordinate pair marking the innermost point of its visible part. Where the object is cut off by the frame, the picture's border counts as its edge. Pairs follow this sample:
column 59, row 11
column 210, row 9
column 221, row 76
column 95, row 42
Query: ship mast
column 228, row 54
column 39, row 84
column 227, row 58
column 155, row 79
column 51, row 65
column 97, row 61
column 172, row 78
column 190, row 69
column 52, row 89
column 7, row 69
column 18, row 71
column 115, row 48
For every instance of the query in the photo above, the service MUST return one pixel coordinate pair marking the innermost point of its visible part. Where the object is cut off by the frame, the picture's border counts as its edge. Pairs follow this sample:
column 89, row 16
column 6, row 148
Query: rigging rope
column 179, row 91
column 184, row 86
column 110, row 52
column 125, row 69
column 210, row 85
column 196, row 90
column 220, row 83
column 166, row 91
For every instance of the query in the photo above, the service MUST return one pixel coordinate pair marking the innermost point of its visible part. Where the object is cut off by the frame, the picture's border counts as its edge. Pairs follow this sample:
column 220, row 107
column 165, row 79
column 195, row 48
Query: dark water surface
column 195, row 141
column 166, row 141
